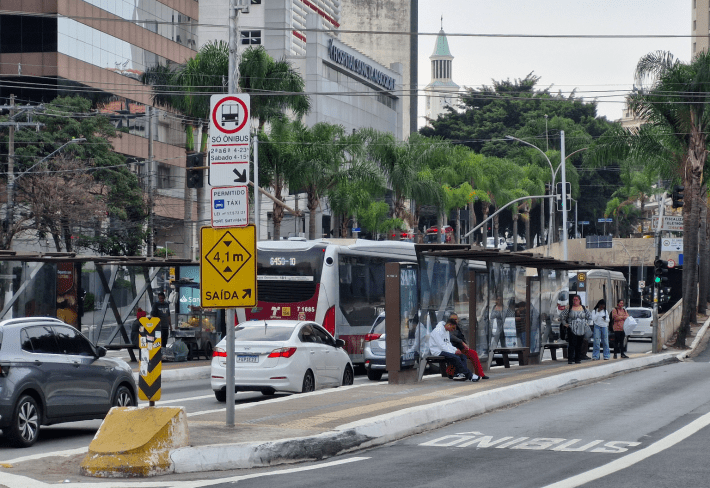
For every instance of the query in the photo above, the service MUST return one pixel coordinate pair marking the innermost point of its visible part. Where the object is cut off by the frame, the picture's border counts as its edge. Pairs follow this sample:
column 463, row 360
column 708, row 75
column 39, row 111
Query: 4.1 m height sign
column 229, row 139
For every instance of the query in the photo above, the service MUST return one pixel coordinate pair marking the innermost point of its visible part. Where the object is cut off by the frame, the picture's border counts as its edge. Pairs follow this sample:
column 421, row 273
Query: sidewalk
column 322, row 424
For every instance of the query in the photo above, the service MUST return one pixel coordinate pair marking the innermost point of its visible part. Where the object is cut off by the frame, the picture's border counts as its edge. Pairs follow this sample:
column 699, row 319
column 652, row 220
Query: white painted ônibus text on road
column 479, row 440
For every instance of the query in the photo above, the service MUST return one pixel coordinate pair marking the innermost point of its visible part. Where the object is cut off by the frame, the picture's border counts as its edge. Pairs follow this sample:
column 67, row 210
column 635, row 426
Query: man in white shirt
column 440, row 345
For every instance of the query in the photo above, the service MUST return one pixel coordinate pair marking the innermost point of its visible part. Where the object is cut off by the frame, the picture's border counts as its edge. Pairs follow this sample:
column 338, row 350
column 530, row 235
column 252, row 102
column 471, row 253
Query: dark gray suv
column 50, row 373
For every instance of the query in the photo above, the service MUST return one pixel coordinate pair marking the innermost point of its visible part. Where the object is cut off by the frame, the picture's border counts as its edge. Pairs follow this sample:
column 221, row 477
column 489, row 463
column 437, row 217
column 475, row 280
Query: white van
column 490, row 243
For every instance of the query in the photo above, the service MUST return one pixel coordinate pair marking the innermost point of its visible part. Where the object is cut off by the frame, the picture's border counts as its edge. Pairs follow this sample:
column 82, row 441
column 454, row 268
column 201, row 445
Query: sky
column 597, row 68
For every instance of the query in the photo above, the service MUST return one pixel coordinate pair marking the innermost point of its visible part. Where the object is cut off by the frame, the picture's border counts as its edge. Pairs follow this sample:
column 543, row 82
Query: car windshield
column 640, row 314
column 267, row 333
column 562, row 297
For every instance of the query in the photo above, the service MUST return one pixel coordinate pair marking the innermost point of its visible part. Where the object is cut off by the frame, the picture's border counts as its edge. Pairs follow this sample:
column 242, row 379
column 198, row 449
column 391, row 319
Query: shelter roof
column 527, row 259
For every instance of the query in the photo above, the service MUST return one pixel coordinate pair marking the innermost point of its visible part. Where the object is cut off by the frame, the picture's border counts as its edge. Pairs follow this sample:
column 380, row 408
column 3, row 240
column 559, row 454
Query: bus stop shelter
column 100, row 295
column 507, row 303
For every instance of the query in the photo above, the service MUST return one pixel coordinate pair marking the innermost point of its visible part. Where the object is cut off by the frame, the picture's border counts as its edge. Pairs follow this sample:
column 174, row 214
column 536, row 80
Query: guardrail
column 668, row 324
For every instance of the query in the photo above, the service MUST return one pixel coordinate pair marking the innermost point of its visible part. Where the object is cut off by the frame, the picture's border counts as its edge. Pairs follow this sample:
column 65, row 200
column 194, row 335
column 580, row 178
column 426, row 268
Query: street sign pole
column 229, row 379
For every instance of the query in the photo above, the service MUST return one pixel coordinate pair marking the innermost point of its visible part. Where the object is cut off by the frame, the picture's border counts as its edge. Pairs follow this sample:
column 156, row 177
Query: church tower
column 441, row 91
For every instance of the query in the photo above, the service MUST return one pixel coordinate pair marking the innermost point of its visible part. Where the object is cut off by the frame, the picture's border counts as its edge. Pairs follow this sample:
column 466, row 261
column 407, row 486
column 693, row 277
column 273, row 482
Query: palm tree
column 673, row 102
column 325, row 155
column 401, row 164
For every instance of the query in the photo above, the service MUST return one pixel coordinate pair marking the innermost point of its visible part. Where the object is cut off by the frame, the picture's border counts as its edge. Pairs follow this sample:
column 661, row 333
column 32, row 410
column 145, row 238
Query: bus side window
column 345, row 271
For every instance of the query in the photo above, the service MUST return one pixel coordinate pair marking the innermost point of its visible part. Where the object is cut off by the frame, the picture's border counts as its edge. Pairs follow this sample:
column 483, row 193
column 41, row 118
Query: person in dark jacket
column 135, row 326
column 458, row 341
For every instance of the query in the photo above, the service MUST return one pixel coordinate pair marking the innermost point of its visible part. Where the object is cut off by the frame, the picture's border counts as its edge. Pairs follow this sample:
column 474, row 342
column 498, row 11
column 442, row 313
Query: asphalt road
column 642, row 429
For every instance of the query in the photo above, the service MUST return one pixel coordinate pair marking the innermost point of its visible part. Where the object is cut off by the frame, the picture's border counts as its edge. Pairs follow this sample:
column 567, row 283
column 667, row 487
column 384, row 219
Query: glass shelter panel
column 507, row 292
column 482, row 314
column 554, row 295
column 444, row 288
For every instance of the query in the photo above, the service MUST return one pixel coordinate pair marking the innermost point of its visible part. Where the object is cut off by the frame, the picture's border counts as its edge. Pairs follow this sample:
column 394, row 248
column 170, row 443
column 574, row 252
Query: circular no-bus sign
column 230, row 113
column 671, row 263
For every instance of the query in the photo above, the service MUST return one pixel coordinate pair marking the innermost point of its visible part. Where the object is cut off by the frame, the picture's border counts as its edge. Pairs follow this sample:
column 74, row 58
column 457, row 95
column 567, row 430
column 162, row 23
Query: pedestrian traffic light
column 678, row 196
column 660, row 267
column 195, row 172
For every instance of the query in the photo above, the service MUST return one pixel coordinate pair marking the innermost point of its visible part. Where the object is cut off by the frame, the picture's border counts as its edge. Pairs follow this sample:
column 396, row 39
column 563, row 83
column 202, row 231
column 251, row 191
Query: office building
column 99, row 49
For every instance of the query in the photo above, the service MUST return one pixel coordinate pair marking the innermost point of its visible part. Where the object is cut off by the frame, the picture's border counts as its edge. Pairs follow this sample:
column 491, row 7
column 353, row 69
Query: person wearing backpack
column 618, row 317
column 600, row 317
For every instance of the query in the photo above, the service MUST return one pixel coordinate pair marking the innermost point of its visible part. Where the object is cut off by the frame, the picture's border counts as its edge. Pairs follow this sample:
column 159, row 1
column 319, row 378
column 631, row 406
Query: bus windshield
column 278, row 270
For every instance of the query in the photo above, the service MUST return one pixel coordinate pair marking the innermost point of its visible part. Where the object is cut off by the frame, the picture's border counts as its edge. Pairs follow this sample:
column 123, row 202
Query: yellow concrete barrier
column 136, row 441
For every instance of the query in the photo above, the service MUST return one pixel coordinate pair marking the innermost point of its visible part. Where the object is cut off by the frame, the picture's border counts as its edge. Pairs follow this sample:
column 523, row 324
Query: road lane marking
column 635, row 457
column 294, row 396
column 32, row 457
column 190, row 399
column 17, row 481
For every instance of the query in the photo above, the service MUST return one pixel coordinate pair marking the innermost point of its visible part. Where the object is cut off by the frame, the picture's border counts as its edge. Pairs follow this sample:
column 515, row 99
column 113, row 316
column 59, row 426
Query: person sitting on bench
column 440, row 345
column 457, row 339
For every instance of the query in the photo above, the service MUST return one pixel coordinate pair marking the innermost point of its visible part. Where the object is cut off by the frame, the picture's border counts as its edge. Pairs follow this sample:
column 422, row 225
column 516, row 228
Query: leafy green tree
column 111, row 190
column 401, row 164
column 374, row 217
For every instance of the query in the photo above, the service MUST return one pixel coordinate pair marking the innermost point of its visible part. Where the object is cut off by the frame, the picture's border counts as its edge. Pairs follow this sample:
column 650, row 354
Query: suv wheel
column 124, row 398
column 374, row 375
column 24, row 430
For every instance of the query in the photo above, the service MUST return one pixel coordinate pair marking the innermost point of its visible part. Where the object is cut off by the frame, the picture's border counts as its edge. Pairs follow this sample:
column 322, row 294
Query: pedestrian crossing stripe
column 151, row 357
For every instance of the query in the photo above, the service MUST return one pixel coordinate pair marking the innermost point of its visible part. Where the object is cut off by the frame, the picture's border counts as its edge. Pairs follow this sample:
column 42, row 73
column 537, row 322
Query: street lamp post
column 552, row 186
column 11, row 181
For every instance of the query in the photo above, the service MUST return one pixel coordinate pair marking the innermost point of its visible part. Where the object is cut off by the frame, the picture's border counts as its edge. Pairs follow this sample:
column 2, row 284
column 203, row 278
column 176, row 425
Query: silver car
column 50, row 373
column 374, row 349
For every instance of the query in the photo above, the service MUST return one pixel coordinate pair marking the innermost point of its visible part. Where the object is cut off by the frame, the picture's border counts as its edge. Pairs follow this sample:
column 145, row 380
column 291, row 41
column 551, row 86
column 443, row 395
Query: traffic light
column 678, row 196
column 195, row 177
column 564, row 197
column 660, row 267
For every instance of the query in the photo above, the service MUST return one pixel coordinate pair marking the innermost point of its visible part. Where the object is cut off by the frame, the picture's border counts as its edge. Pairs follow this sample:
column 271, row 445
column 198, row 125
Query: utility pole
column 564, row 195
column 10, row 207
column 151, row 183
column 235, row 6
column 257, row 209
column 657, row 246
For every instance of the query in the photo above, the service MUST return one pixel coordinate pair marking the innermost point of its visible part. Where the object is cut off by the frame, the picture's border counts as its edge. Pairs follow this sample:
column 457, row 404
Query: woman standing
column 600, row 317
column 575, row 318
column 618, row 317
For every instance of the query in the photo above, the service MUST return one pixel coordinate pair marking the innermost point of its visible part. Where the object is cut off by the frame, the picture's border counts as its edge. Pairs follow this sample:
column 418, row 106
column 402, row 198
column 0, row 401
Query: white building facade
column 347, row 87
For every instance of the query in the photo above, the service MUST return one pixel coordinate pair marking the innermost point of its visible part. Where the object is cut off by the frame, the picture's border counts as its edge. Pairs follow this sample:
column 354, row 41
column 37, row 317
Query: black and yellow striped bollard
column 151, row 365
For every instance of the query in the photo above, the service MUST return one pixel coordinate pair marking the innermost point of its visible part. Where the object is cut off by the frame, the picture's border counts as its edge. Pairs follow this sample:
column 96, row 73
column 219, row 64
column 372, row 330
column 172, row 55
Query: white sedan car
column 644, row 317
column 281, row 355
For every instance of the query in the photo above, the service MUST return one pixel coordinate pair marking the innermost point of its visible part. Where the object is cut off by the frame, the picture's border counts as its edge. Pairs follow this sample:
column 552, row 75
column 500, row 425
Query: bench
column 553, row 347
column 522, row 353
column 440, row 360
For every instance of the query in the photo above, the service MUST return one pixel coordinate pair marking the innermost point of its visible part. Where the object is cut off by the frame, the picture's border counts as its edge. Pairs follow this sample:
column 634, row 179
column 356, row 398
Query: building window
column 695, row 25
column 251, row 37
column 164, row 180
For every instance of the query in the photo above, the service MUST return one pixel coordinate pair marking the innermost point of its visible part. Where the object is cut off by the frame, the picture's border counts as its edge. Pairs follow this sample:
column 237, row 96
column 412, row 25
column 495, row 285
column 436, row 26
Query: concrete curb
column 696, row 341
column 392, row 426
column 187, row 373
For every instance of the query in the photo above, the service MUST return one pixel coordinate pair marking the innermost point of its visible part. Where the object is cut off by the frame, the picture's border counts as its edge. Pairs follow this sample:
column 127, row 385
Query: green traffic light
column 658, row 279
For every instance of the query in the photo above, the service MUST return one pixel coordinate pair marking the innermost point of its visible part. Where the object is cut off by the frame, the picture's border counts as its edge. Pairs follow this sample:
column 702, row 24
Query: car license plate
column 408, row 356
column 248, row 359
